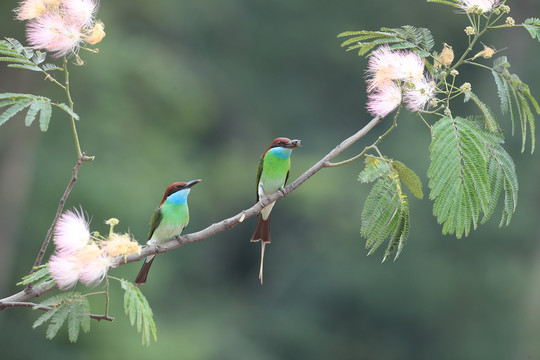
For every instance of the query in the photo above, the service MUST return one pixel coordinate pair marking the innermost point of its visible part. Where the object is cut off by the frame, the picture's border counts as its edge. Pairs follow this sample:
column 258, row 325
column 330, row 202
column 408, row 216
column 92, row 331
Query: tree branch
column 216, row 227
column 61, row 204
column 48, row 308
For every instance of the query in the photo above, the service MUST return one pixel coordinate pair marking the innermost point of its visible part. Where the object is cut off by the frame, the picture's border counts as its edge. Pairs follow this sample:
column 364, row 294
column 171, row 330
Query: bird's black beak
column 293, row 143
column 191, row 183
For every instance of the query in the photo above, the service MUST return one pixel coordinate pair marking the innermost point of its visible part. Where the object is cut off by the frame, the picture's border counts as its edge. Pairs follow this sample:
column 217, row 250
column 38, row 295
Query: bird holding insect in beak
column 272, row 174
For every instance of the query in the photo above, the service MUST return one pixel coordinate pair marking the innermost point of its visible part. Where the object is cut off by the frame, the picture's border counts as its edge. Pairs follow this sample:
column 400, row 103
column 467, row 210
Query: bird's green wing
column 286, row 178
column 154, row 221
column 259, row 172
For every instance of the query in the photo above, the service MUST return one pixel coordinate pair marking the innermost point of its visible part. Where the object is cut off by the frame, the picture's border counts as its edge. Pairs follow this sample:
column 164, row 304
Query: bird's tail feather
column 262, row 234
column 262, row 231
column 263, row 244
column 141, row 278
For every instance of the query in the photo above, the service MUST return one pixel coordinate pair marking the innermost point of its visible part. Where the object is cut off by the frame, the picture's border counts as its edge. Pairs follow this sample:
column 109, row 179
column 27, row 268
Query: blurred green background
column 198, row 89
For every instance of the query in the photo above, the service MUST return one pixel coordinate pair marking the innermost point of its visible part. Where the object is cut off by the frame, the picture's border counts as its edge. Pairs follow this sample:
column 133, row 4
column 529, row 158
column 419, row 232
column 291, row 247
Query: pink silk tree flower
column 30, row 9
column 52, row 33
column 417, row 98
column 72, row 232
column 81, row 12
column 411, row 66
column 95, row 271
column 384, row 100
column 482, row 5
column 64, row 270
column 383, row 67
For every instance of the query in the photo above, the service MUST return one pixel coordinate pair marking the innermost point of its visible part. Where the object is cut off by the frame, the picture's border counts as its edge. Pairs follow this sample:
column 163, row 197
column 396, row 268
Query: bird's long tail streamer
column 263, row 244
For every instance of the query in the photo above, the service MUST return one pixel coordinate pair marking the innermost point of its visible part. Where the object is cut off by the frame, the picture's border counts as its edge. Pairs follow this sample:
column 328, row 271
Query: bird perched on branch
column 272, row 175
column 168, row 220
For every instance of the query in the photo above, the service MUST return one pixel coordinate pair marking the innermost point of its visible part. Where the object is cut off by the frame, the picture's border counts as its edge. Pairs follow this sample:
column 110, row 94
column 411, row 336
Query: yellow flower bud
column 446, row 56
column 486, row 53
column 97, row 34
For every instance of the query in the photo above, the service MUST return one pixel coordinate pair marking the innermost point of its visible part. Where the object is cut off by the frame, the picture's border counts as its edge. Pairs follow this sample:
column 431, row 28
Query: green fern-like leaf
column 32, row 112
column 445, row 2
column 78, row 318
column 381, row 212
column 419, row 40
column 374, row 168
column 70, row 306
column 386, row 210
column 502, row 178
column 13, row 110
column 533, row 27
column 490, row 122
column 401, row 233
column 57, row 320
column 67, row 109
column 38, row 277
column 503, row 92
column 458, row 174
column 517, row 97
column 409, row 178
column 22, row 57
column 45, row 116
column 35, row 104
column 138, row 309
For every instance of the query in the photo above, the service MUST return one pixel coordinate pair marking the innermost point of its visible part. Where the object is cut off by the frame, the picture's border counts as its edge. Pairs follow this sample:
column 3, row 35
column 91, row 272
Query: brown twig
column 216, row 227
column 4, row 305
column 61, row 204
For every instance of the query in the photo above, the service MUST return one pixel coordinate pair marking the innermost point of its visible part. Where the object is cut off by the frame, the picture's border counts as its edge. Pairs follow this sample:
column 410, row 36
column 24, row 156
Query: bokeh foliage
column 184, row 90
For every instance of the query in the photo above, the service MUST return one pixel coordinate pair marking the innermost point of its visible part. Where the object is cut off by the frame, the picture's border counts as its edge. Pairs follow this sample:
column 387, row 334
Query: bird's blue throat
column 280, row 152
column 179, row 197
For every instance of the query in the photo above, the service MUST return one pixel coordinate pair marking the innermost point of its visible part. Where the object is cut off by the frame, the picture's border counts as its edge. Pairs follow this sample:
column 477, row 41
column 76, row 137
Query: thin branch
column 59, row 211
column 216, row 227
column 28, row 293
column 48, row 308
column 252, row 211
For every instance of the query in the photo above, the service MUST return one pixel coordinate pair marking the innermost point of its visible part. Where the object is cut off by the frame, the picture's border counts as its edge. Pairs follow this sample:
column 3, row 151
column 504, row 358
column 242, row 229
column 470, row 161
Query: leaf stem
column 70, row 103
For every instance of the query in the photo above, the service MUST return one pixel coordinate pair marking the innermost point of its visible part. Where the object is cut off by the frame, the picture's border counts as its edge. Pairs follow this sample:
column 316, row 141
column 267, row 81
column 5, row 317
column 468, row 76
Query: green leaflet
column 445, row 2
column 15, row 103
column 18, row 56
column 138, row 309
column 533, row 27
column 386, row 210
column 38, row 277
column 419, row 40
column 381, row 212
column 468, row 170
column 374, row 168
column 70, row 306
column 490, row 122
column 516, row 97
column 410, row 179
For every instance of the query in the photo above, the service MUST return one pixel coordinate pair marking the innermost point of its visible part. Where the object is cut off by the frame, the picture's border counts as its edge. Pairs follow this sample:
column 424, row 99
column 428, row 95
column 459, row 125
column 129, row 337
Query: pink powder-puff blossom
column 95, row 271
column 384, row 100
column 411, row 66
column 419, row 96
column 483, row 5
column 386, row 65
column 88, row 265
column 53, row 33
column 80, row 11
column 72, row 232
column 30, row 9
column 64, row 269
column 383, row 67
